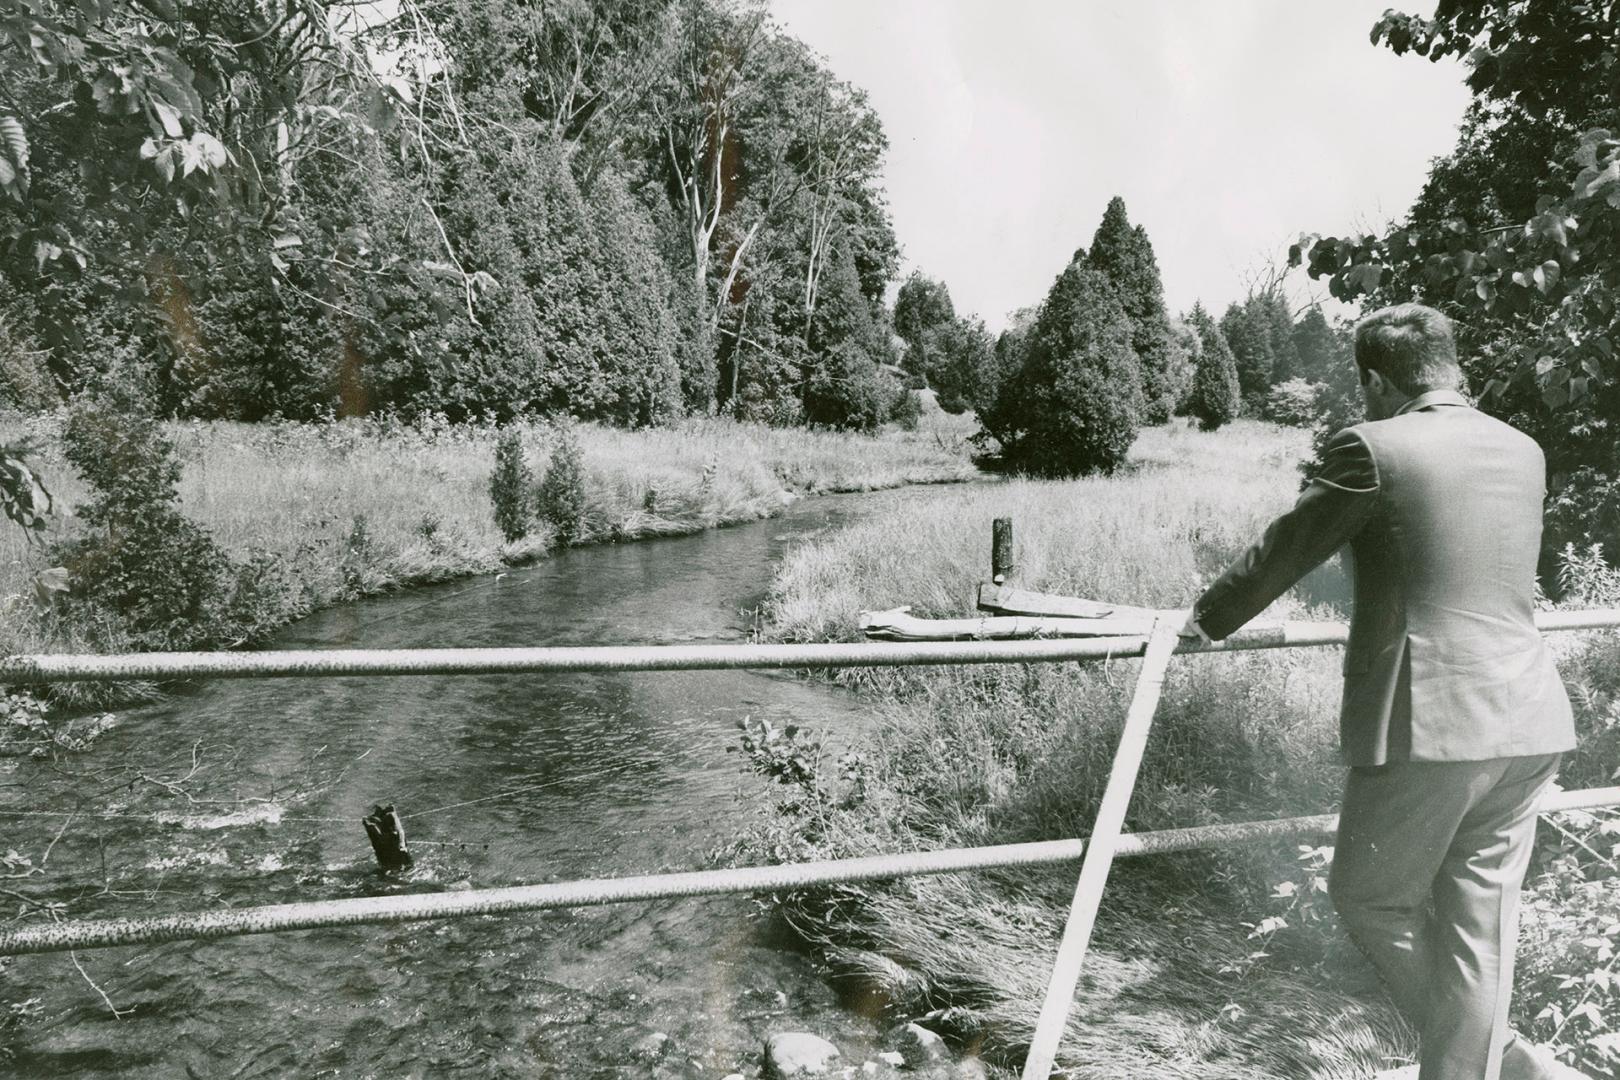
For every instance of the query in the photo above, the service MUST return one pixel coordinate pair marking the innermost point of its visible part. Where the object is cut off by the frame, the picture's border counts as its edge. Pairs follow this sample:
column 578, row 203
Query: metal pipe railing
column 353, row 911
column 309, row 663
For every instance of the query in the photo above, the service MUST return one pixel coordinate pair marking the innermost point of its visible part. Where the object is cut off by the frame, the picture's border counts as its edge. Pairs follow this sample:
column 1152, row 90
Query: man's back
column 1441, row 507
column 1444, row 661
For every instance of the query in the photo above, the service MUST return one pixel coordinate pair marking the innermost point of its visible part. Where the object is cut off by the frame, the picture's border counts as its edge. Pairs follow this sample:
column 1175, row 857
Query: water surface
column 250, row 792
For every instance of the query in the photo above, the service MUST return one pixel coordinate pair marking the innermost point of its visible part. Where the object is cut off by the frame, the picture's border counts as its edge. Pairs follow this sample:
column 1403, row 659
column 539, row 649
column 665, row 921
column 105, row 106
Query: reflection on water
column 500, row 780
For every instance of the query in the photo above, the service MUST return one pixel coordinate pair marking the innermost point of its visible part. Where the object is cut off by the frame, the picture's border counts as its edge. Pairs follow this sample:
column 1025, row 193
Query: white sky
column 1228, row 127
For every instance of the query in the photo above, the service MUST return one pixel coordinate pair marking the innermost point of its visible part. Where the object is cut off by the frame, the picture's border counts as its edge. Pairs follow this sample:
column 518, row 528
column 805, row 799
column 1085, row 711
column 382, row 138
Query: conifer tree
column 1075, row 403
column 1125, row 254
column 1318, row 350
column 1214, row 398
column 1278, row 317
column 1250, row 342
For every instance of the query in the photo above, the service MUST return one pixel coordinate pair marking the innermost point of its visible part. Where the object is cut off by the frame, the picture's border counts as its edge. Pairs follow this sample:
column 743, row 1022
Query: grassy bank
column 344, row 510
column 1188, row 978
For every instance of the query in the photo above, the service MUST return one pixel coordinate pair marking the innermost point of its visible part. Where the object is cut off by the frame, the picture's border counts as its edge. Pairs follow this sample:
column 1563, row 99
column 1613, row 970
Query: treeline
column 623, row 210
column 1066, row 387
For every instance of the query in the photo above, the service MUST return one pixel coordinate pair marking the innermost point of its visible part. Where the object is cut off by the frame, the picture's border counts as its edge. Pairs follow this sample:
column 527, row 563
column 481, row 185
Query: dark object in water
column 387, row 838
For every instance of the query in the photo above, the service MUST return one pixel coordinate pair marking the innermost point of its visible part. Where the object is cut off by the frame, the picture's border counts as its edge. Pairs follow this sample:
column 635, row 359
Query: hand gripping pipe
column 50, row 667
column 354, row 911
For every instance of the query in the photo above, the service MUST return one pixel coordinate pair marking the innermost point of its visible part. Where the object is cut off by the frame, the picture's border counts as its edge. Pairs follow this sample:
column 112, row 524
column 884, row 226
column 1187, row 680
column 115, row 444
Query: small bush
column 561, row 497
column 1294, row 403
column 509, row 486
column 158, row 574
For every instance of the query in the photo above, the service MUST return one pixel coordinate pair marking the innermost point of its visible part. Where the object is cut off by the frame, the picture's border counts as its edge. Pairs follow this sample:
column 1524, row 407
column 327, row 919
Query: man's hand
column 1190, row 630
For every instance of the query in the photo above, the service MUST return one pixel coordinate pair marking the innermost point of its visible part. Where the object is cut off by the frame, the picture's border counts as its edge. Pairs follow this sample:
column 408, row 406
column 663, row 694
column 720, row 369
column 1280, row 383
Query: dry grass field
column 354, row 508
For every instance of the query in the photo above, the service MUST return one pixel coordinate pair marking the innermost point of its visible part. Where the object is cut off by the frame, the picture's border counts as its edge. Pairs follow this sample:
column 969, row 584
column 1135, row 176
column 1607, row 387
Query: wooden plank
column 897, row 625
column 1006, row 600
column 1099, row 854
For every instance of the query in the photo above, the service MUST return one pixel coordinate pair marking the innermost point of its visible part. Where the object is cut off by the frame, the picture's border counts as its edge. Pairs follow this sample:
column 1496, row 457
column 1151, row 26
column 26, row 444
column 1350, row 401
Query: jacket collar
column 1432, row 398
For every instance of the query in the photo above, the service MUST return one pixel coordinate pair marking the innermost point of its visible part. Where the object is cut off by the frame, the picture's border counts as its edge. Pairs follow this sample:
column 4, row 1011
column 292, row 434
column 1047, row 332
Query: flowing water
column 250, row 792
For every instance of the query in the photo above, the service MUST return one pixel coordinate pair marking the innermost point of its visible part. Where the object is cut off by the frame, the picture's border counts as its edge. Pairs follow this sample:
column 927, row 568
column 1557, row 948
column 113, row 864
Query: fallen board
column 1006, row 600
column 898, row 625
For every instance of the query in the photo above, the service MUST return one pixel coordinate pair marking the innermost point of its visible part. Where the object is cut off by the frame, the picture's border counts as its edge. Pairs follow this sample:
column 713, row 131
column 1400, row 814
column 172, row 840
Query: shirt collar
column 1431, row 398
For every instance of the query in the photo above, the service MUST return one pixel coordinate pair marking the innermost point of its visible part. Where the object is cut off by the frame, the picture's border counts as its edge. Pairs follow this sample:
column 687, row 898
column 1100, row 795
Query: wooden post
column 1001, row 550
column 1099, row 854
column 387, row 838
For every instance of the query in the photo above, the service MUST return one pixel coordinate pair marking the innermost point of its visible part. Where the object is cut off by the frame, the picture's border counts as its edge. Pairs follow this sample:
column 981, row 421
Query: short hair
column 1410, row 345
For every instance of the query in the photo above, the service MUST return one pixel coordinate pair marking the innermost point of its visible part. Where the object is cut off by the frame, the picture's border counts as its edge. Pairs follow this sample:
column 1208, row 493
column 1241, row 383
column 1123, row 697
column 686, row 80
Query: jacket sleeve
column 1331, row 510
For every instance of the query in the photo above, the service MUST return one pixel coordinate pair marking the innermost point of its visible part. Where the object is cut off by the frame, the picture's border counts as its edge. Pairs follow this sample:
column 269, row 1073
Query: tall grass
column 1184, row 980
column 357, row 507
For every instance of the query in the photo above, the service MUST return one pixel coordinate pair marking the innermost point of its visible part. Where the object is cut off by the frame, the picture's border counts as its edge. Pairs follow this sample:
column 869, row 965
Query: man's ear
column 1373, row 380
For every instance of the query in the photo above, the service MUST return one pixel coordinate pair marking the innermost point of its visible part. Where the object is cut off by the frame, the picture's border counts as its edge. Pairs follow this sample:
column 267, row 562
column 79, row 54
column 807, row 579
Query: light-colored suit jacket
column 1441, row 506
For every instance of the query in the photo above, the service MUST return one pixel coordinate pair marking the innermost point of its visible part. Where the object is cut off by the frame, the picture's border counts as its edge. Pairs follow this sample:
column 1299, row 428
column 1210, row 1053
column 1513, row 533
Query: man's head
column 1401, row 352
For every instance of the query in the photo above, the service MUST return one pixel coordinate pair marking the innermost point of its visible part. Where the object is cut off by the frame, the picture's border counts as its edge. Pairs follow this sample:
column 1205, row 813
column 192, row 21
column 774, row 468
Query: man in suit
column 1454, row 717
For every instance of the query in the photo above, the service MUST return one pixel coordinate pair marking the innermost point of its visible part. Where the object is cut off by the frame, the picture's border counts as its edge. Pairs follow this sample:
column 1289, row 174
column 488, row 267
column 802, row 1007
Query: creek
column 251, row 792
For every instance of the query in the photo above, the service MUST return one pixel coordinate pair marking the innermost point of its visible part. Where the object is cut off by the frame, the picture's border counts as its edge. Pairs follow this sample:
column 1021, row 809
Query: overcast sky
column 1229, row 128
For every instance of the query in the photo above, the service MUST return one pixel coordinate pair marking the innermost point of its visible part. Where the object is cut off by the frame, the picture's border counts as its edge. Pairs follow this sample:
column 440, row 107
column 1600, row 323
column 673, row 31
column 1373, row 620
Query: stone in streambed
column 798, row 1053
column 921, row 1046
column 650, row 1047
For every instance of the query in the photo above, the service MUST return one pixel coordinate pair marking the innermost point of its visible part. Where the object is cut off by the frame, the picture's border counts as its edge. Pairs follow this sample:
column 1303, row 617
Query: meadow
column 353, row 508
column 1206, row 964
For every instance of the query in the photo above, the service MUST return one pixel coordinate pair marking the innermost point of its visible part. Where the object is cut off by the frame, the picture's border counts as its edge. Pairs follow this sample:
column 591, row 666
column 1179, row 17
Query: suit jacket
column 1441, row 506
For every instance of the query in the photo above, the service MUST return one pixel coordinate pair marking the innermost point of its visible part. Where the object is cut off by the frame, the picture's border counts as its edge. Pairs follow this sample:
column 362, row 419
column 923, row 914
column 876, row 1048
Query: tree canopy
column 1517, row 233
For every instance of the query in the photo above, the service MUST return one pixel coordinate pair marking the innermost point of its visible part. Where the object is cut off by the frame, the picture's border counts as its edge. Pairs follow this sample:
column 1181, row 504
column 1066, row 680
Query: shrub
column 158, row 574
column 509, row 486
column 1293, row 403
column 1076, row 403
column 1583, row 508
column 561, row 497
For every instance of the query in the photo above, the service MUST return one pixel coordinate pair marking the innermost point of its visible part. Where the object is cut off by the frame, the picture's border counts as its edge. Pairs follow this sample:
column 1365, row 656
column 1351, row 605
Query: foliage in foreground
column 1516, row 234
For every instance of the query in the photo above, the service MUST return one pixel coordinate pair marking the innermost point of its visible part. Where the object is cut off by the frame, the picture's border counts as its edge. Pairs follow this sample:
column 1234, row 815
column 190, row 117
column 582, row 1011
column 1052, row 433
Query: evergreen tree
column 1250, row 341
column 964, row 376
column 1188, row 351
column 1214, row 400
column 1075, row 403
column 1272, row 308
column 1125, row 254
column 844, row 385
column 1318, row 349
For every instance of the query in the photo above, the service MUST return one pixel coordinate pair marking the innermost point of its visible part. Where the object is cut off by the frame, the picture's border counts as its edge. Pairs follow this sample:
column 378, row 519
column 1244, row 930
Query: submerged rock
column 798, row 1053
column 921, row 1046
column 650, row 1047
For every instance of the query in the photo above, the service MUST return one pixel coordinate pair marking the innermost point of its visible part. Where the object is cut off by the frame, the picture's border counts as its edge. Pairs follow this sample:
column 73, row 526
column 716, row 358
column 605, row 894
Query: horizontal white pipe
column 352, row 911
column 66, row 667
